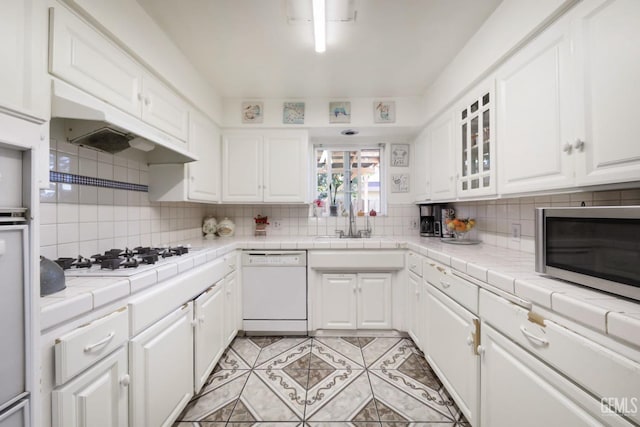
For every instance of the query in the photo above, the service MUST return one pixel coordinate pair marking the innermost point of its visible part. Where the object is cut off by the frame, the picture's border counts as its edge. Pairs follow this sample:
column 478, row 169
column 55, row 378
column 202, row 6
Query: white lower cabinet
column 374, row 301
column 414, row 305
column 162, row 369
column 356, row 301
column 97, row 398
column 232, row 316
column 209, row 338
column 450, row 337
column 518, row 389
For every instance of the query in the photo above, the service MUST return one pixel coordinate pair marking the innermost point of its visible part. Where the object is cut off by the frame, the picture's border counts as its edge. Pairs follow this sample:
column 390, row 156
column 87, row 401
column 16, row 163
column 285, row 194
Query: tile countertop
column 509, row 270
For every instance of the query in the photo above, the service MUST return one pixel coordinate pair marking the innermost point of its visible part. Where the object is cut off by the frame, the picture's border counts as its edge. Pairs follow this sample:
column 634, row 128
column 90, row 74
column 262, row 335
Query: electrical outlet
column 515, row 231
column 277, row 224
column 414, row 224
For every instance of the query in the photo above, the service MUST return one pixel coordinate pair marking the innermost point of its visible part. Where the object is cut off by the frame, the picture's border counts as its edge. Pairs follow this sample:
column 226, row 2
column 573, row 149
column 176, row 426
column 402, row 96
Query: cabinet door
column 23, row 44
column 422, row 155
column 516, row 383
column 414, row 289
column 242, row 168
column 86, row 59
column 338, row 301
column 164, row 109
column 231, row 310
column 607, row 92
column 208, row 337
column 534, row 121
column 442, row 158
column 475, row 142
column 450, row 330
column 204, row 174
column 162, row 369
column 96, row 398
column 286, row 167
column 17, row 416
column 374, row 301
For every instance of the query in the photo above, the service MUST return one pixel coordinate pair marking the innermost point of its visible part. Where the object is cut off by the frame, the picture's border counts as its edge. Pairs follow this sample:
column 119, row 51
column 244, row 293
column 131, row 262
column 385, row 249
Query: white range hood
column 71, row 103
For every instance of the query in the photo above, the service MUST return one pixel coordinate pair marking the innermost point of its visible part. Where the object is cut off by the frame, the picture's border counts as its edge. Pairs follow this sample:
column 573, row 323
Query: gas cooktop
column 122, row 263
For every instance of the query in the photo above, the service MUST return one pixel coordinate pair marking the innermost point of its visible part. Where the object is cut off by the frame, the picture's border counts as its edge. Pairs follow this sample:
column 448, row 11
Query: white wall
column 512, row 22
column 128, row 23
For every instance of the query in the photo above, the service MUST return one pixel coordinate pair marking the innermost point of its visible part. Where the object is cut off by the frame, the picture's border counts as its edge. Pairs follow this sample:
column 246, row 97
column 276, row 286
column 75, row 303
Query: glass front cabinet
column 475, row 152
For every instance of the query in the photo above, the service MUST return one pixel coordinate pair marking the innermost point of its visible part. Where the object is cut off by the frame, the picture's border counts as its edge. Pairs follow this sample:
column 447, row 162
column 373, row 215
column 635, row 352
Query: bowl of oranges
column 459, row 226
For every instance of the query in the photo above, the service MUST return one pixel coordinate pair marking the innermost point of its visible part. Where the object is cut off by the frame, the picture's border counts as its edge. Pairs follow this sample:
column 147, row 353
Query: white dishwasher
column 274, row 288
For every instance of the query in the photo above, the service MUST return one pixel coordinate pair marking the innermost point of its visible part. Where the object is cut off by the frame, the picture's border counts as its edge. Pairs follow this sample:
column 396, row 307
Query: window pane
column 485, row 99
column 345, row 177
column 465, row 165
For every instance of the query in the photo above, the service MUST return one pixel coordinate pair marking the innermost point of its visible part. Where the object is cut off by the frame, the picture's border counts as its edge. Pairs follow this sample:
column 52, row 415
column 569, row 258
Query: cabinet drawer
column 571, row 354
column 442, row 278
column 415, row 263
column 84, row 346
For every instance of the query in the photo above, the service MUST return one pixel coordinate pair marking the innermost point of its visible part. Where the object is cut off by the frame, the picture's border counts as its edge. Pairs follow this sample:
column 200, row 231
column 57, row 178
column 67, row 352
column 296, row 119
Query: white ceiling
column 247, row 48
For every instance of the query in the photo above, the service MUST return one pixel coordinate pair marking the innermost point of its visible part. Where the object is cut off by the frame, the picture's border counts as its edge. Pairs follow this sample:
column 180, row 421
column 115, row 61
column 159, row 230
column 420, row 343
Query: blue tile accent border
column 69, row 178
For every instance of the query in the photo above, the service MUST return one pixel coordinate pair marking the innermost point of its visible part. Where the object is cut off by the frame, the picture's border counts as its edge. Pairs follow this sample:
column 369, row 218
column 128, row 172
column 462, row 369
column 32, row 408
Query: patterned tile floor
column 322, row 382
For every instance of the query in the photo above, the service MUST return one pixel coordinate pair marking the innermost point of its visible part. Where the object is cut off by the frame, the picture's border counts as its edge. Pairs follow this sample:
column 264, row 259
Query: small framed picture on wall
column 399, row 155
column 384, row 112
column 400, row 183
column 252, row 112
column 293, row 113
column 340, row 112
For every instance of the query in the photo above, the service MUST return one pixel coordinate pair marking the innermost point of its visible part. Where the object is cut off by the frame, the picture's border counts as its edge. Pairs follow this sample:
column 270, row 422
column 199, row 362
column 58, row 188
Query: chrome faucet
column 352, row 222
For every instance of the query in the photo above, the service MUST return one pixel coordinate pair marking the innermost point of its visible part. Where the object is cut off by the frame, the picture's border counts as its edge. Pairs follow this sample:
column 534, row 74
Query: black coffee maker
column 431, row 221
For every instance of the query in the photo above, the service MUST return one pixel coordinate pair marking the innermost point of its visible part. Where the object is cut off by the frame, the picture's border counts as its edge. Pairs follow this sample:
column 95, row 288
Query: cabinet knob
column 579, row 144
column 469, row 340
column 481, row 350
column 125, row 380
column 567, row 148
column 147, row 101
column 139, row 96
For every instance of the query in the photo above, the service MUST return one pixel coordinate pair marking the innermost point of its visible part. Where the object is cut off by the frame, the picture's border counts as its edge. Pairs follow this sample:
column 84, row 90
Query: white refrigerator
column 15, row 295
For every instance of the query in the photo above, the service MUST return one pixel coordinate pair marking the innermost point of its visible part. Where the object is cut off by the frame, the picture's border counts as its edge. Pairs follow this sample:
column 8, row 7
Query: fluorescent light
column 319, row 25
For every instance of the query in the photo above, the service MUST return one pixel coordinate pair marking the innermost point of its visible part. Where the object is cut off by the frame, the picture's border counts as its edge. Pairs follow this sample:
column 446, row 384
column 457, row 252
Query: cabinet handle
column 103, row 341
column 543, row 342
column 579, row 144
column 125, row 380
column 480, row 350
column 445, row 284
column 567, row 148
column 354, row 289
column 147, row 101
column 139, row 96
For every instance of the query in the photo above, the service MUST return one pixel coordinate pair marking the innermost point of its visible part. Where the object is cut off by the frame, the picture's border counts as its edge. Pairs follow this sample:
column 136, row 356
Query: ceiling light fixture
column 319, row 25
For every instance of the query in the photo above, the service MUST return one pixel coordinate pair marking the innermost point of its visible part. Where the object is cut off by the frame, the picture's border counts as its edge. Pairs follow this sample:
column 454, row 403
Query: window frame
column 359, row 148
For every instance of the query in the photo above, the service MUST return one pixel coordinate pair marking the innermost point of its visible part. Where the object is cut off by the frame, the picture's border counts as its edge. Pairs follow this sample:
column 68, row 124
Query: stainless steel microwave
column 597, row 247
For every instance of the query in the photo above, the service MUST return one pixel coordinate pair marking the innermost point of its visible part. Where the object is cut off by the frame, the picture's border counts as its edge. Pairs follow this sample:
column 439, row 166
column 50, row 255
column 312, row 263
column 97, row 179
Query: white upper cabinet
column 285, row 167
column 204, row 174
column 475, row 142
column 441, row 158
column 197, row 181
column 607, row 67
column 23, row 48
column 422, row 177
column 90, row 61
column 533, row 115
column 242, row 167
column 567, row 102
column 269, row 166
